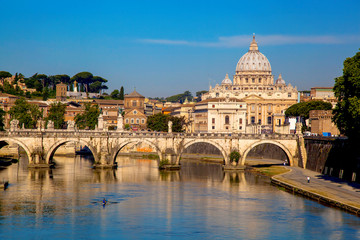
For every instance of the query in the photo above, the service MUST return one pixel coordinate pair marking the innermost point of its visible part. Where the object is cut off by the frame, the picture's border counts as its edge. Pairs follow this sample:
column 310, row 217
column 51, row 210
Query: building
column 134, row 111
column 220, row 115
column 325, row 94
column 185, row 110
column 321, row 122
column 61, row 90
column 253, row 84
column 110, row 110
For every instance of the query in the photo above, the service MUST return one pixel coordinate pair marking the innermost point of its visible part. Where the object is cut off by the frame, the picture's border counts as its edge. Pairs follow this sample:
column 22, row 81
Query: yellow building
column 253, row 83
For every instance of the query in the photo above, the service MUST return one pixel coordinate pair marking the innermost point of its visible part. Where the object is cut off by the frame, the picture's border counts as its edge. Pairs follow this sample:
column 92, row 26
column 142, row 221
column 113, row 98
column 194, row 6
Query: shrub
column 234, row 156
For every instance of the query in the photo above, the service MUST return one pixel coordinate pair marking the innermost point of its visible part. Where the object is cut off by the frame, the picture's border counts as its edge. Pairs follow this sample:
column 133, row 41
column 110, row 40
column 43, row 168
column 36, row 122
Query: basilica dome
column 226, row 80
column 253, row 60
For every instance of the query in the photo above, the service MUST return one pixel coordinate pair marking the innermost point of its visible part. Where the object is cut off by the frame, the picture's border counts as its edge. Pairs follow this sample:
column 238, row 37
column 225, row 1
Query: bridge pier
column 105, row 162
column 37, row 161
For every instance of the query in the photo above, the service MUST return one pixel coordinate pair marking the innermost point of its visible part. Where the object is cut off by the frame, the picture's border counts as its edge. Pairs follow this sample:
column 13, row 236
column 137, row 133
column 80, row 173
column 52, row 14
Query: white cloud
column 244, row 40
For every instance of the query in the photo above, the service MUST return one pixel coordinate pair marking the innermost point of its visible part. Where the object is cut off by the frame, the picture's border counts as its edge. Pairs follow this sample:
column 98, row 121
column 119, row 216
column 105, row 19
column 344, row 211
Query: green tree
column 180, row 97
column 115, row 94
column 302, row 109
column 84, row 79
column 121, row 94
column 56, row 79
column 2, row 116
column 4, row 74
column 89, row 118
column 199, row 93
column 45, row 94
column 347, row 92
column 159, row 122
column 57, row 114
column 27, row 114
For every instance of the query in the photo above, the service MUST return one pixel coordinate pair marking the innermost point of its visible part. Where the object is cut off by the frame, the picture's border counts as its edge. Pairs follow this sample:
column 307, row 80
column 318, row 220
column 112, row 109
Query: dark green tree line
column 347, row 92
column 159, row 122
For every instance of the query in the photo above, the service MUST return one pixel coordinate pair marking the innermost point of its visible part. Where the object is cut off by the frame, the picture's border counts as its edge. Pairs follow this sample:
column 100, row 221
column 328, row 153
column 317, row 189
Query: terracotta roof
column 8, row 95
column 134, row 94
column 107, row 101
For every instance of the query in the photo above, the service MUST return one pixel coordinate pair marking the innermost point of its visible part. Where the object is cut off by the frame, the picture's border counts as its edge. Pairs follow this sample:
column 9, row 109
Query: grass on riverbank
column 269, row 170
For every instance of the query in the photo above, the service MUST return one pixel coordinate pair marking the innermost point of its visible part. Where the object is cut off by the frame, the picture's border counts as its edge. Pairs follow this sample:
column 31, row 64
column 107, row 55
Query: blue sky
column 167, row 47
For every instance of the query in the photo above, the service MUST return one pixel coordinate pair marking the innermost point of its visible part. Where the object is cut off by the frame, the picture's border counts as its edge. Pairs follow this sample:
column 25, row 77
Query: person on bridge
column 308, row 179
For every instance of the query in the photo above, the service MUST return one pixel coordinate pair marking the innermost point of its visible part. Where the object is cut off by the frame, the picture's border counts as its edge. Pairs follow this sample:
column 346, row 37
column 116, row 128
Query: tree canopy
column 27, row 114
column 2, row 116
column 159, row 122
column 302, row 109
column 347, row 92
column 4, row 74
column 89, row 82
column 89, row 118
column 180, row 97
column 57, row 114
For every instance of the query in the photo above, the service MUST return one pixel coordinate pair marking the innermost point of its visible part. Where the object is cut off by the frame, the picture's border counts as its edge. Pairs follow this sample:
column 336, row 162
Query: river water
column 198, row 202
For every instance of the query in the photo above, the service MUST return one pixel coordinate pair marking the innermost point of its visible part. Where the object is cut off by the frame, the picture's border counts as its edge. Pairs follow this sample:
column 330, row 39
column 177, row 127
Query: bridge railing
column 146, row 134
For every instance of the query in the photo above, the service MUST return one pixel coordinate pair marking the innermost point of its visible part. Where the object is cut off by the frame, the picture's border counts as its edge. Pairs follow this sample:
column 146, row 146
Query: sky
column 163, row 48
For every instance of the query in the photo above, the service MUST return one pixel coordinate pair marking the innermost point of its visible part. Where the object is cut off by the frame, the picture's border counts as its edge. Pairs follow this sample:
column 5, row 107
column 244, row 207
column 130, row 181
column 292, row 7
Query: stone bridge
column 40, row 145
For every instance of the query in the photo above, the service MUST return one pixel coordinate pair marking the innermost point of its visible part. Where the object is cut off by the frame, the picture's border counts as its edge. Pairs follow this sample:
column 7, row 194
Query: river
column 198, row 202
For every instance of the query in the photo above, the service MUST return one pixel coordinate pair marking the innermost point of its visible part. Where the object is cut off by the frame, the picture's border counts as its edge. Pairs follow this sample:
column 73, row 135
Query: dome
column 226, row 80
column 253, row 60
column 280, row 81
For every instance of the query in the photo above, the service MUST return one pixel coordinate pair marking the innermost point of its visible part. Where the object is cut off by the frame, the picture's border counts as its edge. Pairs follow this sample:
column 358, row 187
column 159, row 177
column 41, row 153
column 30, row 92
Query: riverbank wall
column 314, row 196
column 335, row 157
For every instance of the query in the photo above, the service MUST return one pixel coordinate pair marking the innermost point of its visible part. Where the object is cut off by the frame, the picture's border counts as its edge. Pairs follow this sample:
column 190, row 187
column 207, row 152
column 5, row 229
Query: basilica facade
column 253, row 84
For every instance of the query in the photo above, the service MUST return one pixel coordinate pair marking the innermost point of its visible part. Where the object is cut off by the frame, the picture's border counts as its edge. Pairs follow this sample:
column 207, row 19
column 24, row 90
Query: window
column 240, row 127
column 132, row 120
column 269, row 120
column 260, row 121
column 142, row 121
column 252, row 120
column 217, row 94
column 213, row 127
column 127, row 120
column 240, row 121
column 247, row 80
column 259, row 108
column 252, row 107
column 213, row 120
column 137, row 121
column 227, row 120
column 134, row 103
column 135, row 112
column 289, row 94
column 269, row 108
column 253, row 80
column 259, row 80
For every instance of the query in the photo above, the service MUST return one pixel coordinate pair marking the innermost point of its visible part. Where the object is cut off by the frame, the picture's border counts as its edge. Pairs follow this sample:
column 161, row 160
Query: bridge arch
column 56, row 145
column 23, row 145
column 123, row 144
column 213, row 143
column 281, row 146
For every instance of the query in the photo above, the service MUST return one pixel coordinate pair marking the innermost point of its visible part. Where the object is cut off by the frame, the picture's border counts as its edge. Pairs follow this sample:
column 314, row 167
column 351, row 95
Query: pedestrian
column 308, row 179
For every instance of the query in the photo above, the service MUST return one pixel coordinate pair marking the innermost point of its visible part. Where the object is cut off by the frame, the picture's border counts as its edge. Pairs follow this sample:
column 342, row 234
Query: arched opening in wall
column 74, row 156
column 13, row 155
column 137, row 161
column 267, row 154
column 202, row 161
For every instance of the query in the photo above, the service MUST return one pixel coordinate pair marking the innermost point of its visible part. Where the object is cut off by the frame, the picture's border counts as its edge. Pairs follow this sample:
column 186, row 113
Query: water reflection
column 200, row 201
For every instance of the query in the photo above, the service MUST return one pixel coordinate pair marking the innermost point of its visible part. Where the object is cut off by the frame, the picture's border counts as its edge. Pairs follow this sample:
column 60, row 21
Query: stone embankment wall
column 334, row 157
